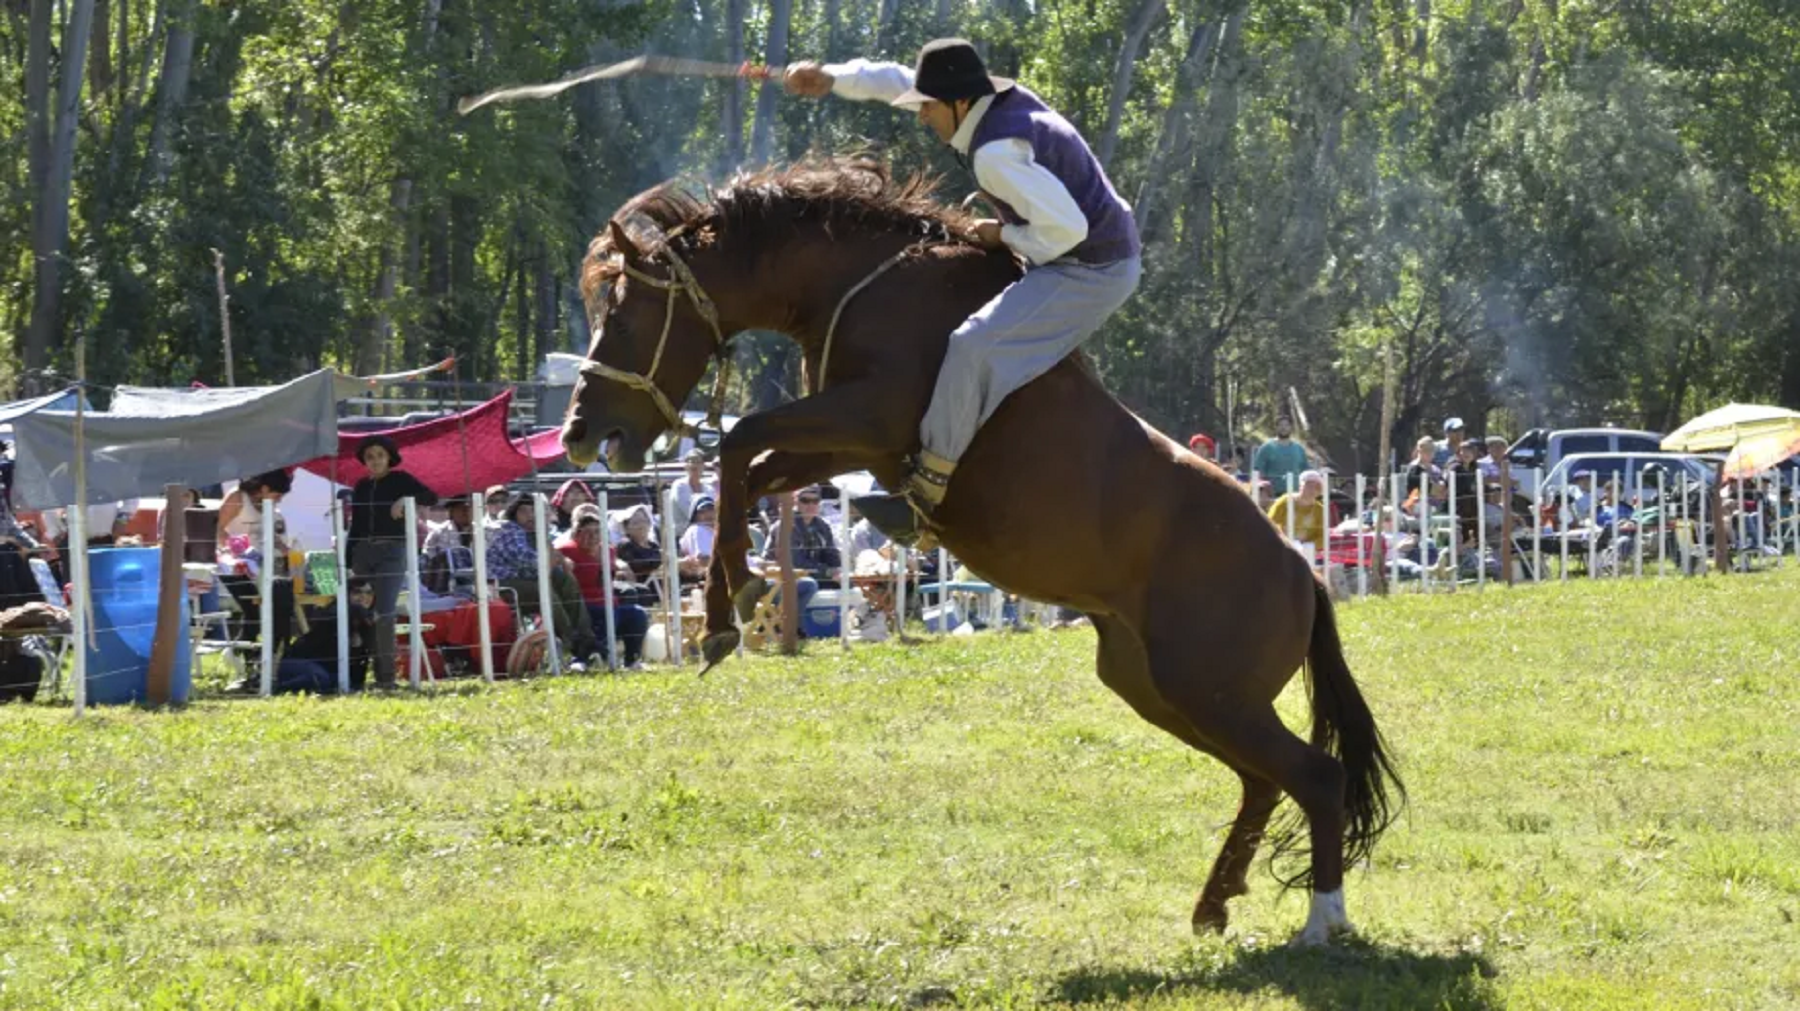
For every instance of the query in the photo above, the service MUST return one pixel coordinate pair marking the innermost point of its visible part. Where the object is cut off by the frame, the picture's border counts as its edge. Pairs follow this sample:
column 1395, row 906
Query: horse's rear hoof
column 744, row 601
column 716, row 647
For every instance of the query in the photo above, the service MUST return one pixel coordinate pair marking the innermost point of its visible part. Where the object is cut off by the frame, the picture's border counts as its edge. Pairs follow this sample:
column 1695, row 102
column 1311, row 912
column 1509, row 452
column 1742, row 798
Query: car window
column 1572, row 444
column 1639, row 444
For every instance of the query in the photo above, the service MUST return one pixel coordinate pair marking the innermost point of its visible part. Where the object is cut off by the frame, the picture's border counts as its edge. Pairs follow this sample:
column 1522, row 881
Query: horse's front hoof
column 744, row 601
column 716, row 647
column 1210, row 920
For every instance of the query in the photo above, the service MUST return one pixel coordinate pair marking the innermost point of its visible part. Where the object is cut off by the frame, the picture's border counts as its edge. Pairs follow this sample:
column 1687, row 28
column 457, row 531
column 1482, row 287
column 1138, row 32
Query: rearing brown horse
column 1203, row 613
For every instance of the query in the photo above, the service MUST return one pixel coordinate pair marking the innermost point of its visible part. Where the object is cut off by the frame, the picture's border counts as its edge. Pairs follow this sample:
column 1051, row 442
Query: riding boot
column 906, row 517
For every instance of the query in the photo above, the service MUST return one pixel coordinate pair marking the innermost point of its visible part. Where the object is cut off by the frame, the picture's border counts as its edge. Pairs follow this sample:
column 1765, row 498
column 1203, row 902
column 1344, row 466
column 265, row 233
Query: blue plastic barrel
column 124, row 585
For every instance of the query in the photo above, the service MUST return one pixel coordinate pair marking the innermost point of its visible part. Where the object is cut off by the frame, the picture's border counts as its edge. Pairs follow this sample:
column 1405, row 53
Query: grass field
column 1604, row 814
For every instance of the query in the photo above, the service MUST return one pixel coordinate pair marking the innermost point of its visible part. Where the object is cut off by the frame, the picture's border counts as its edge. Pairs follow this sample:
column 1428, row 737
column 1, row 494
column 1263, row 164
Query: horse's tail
column 1344, row 727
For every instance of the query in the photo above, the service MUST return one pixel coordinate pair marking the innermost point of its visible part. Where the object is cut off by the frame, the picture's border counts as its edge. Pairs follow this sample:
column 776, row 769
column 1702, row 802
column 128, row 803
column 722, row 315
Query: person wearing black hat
column 1059, row 214
column 377, row 537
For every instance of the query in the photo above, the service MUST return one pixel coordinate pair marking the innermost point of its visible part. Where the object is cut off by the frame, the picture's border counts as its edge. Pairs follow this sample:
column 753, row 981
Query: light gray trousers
column 1015, row 338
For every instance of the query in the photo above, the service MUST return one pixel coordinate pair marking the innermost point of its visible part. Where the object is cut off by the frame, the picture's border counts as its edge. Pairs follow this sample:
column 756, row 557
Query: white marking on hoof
column 1326, row 918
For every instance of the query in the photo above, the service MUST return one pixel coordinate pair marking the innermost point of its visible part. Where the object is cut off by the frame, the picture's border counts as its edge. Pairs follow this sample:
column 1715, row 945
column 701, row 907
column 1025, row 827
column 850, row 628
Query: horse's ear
column 621, row 240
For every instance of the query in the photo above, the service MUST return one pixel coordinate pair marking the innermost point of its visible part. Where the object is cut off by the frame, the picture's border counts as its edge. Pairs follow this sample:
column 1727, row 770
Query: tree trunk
column 833, row 31
column 372, row 348
column 52, row 219
column 547, row 305
column 171, row 88
column 37, row 95
column 945, row 14
column 733, row 122
column 100, row 68
column 1172, row 139
column 766, row 96
column 1124, row 70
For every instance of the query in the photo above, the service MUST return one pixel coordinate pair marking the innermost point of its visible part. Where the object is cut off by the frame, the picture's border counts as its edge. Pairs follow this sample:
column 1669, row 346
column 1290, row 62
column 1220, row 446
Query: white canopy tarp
column 155, row 437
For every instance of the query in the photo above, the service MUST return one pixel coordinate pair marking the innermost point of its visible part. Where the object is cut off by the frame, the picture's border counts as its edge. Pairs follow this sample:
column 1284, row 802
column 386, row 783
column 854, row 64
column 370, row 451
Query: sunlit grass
column 1603, row 781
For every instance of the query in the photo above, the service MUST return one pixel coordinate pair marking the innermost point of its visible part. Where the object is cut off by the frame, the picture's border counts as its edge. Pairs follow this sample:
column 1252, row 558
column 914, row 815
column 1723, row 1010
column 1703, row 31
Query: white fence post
column 606, row 583
column 540, row 509
column 266, row 610
column 343, row 594
column 478, row 514
column 415, row 611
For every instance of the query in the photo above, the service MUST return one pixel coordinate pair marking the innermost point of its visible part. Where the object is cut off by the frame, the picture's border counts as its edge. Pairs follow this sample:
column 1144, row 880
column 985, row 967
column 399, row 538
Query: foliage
column 1550, row 212
column 1597, row 813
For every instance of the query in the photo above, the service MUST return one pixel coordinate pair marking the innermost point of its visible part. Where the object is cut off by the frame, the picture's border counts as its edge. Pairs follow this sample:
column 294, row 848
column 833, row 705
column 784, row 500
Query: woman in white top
column 240, row 515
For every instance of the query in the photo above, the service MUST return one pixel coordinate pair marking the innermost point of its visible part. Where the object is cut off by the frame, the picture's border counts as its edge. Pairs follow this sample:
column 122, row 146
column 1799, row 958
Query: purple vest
column 1017, row 113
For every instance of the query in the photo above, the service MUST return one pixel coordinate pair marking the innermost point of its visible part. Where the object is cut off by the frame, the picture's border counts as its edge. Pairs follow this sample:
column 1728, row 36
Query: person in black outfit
column 378, row 536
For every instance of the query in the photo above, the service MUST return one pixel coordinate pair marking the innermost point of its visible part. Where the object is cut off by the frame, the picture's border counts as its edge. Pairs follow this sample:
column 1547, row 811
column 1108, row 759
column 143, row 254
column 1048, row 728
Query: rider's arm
column 869, row 81
column 1053, row 222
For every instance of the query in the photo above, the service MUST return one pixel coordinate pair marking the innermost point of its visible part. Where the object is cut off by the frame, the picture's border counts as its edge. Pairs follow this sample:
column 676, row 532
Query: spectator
column 447, row 550
column 1203, row 446
column 310, row 663
column 1496, row 453
column 1448, row 454
column 642, row 556
column 378, row 537
column 814, row 551
column 10, row 529
column 494, row 510
column 1307, row 508
column 1468, row 481
column 571, row 496
column 697, row 541
column 1280, row 457
column 513, row 562
column 240, row 515
column 601, row 464
column 586, row 549
column 865, row 537
column 693, row 485
column 1422, row 474
column 238, row 548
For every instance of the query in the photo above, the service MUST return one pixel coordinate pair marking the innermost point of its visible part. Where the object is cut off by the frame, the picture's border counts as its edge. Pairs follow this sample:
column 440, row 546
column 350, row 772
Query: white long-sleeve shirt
column 1053, row 222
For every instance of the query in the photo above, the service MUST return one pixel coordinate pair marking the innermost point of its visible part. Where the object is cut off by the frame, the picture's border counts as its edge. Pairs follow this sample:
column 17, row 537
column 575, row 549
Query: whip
column 667, row 65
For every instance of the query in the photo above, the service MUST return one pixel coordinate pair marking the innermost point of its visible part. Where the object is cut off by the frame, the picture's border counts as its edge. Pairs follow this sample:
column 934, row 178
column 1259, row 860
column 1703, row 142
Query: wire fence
column 494, row 597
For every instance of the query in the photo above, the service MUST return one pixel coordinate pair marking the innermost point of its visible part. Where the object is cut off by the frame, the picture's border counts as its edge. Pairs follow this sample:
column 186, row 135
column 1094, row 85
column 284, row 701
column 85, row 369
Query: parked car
column 1628, row 468
column 1542, row 449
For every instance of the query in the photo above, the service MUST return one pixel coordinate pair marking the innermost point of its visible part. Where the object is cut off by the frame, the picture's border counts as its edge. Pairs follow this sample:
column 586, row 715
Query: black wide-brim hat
column 384, row 442
column 948, row 70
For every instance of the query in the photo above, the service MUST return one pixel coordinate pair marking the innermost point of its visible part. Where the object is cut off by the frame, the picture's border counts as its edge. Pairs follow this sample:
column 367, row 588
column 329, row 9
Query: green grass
column 1603, row 815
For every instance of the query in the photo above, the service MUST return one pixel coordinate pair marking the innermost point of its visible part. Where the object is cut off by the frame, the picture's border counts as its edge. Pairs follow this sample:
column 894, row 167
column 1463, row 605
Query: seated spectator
column 310, row 663
column 642, row 557
column 571, row 496
column 513, row 563
column 1465, row 474
column 495, row 499
column 697, row 542
column 814, row 551
column 1496, row 454
column 586, row 548
column 1305, row 509
column 865, row 537
column 449, row 563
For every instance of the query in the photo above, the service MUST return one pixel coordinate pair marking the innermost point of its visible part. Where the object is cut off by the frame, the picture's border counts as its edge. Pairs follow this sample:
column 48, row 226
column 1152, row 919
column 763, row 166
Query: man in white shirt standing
column 693, row 486
column 1059, row 214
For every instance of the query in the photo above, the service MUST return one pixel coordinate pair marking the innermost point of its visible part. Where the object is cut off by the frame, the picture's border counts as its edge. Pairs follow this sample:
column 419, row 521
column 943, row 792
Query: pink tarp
column 434, row 451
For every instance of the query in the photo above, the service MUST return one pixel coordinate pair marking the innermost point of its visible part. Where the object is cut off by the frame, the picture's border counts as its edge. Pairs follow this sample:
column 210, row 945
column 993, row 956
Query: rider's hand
column 986, row 234
column 808, row 80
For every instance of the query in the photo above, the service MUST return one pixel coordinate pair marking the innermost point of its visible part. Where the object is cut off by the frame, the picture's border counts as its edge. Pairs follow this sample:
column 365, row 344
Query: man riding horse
column 1060, row 216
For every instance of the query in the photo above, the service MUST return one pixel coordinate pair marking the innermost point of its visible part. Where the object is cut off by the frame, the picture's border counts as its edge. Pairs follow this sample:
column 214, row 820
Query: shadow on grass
column 1346, row 975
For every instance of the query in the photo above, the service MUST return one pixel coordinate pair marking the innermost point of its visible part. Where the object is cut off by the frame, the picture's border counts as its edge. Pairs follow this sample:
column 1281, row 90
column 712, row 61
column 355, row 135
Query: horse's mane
column 854, row 191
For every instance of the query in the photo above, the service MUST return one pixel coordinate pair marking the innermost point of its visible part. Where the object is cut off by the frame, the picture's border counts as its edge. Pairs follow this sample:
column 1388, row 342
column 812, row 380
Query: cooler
column 124, row 587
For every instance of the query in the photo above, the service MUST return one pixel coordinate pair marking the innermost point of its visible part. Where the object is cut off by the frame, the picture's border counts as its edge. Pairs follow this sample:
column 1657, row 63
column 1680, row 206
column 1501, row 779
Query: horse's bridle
column 682, row 281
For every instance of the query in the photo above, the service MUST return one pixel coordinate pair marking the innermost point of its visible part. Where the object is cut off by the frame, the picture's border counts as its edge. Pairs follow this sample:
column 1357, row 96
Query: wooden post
column 170, row 636
column 790, row 583
column 83, row 602
column 1721, row 535
column 224, row 314
column 1506, row 520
